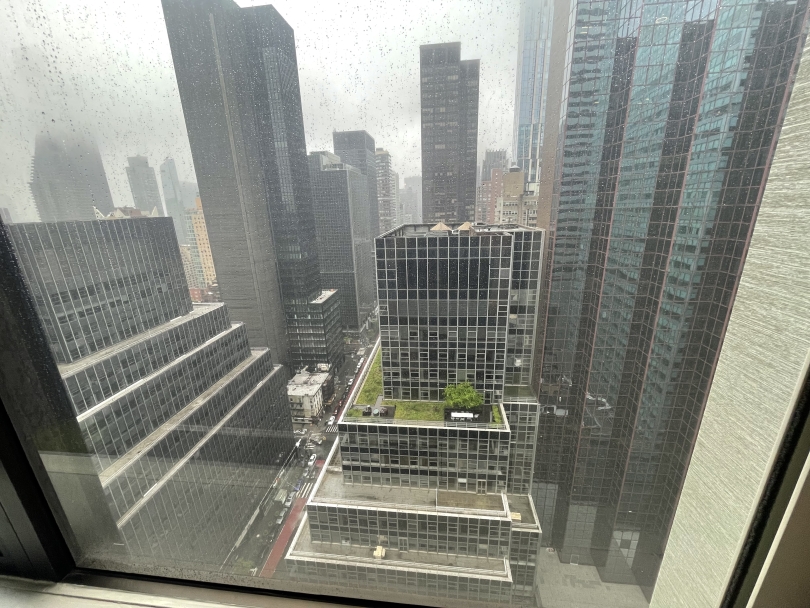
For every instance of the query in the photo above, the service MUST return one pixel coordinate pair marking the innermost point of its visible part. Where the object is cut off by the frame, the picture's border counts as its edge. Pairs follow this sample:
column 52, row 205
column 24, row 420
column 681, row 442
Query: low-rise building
column 307, row 393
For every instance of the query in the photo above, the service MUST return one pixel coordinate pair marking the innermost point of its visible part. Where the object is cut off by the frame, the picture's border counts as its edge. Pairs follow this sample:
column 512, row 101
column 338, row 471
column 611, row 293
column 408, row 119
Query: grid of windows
column 459, row 459
column 457, row 307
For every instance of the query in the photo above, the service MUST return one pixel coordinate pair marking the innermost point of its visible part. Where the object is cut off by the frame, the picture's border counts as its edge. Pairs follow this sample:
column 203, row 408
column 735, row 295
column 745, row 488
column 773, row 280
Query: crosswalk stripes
column 306, row 489
column 332, row 429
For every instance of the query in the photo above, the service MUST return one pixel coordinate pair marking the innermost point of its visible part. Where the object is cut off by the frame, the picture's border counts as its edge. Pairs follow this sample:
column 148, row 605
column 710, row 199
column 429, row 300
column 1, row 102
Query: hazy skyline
column 107, row 69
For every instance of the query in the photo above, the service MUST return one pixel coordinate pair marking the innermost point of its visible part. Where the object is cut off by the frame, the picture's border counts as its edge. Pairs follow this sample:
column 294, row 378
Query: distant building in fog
column 387, row 191
column 357, row 149
column 143, row 184
column 68, row 178
column 173, row 196
column 411, row 200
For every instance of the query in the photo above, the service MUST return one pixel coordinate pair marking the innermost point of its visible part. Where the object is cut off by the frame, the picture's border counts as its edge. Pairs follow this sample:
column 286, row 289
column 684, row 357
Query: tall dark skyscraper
column 173, row 196
column 185, row 424
column 531, row 92
column 343, row 229
column 357, row 149
column 68, row 178
column 387, row 192
column 237, row 74
column 449, row 94
column 651, row 231
column 143, row 184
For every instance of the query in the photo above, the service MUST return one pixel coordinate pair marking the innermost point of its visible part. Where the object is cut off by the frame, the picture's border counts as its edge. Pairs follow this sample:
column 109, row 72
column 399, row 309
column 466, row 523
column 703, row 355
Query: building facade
column 174, row 406
column 173, row 197
column 449, row 102
column 200, row 246
column 531, row 94
column 412, row 207
column 458, row 305
column 387, row 192
column 343, row 229
column 493, row 159
column 68, row 178
column 519, row 202
column 143, row 185
column 487, row 197
column 356, row 148
column 305, row 392
column 650, row 234
column 418, row 507
column 237, row 74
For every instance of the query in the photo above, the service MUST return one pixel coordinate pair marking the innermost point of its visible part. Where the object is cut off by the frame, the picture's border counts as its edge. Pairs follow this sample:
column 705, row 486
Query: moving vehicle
column 312, row 460
column 331, row 421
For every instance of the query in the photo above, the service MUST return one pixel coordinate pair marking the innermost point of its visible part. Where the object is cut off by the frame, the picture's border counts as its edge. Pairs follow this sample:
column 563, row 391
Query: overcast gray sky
column 105, row 67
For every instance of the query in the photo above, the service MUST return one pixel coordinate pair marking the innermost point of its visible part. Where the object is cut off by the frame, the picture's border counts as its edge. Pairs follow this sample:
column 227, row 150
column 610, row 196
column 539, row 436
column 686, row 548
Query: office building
column 356, row 148
column 414, row 183
column 307, row 392
column 409, row 201
column 487, row 197
column 190, row 269
column 449, row 100
column 652, row 227
column 493, row 159
column 200, row 247
column 532, row 88
column 425, row 506
column 343, row 231
column 387, row 192
column 175, row 408
column 143, row 185
column 68, row 178
column 458, row 305
column 173, row 197
column 123, row 213
column 519, row 202
column 242, row 105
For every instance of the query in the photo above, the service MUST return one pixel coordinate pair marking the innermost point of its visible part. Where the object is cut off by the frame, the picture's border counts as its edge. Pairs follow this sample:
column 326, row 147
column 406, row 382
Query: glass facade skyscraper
column 356, row 148
column 458, row 305
column 237, row 73
column 143, row 185
column 343, row 229
column 173, row 196
column 184, row 423
column 531, row 93
column 671, row 115
column 449, row 103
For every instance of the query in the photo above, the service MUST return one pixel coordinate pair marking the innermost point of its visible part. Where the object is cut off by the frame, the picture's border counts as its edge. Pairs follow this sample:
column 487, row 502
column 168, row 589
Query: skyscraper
column 200, row 246
column 173, row 196
column 343, row 230
column 411, row 200
column 531, row 93
column 67, row 178
column 143, row 184
column 237, row 75
column 449, row 99
column 387, row 192
column 493, row 159
column 185, row 424
column 652, row 227
column 458, row 305
column 357, row 149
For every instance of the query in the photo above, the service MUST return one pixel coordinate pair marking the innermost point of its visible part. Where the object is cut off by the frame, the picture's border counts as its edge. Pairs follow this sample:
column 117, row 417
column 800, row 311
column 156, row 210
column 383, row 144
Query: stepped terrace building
column 184, row 423
column 419, row 499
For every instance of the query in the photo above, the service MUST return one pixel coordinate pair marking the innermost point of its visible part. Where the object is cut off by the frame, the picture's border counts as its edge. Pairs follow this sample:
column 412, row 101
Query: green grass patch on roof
column 372, row 387
column 417, row 410
column 353, row 413
column 496, row 415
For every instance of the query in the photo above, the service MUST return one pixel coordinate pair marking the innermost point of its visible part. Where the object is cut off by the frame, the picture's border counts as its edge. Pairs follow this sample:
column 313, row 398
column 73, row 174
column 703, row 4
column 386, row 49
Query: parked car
column 280, row 520
column 289, row 500
column 331, row 420
column 312, row 460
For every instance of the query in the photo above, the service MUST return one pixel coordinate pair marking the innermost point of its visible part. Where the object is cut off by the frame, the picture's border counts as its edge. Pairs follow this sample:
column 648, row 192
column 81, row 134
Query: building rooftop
column 302, row 547
column 440, row 229
column 305, row 383
column 522, row 505
column 331, row 489
column 325, row 295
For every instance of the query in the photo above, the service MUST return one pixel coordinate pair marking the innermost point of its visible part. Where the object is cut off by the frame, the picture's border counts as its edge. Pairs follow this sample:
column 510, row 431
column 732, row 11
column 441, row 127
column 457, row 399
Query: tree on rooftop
column 462, row 395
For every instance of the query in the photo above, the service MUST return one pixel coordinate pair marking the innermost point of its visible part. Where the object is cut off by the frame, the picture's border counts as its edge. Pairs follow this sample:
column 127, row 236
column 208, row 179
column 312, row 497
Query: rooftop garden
column 460, row 397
